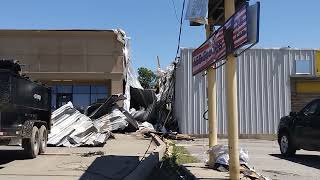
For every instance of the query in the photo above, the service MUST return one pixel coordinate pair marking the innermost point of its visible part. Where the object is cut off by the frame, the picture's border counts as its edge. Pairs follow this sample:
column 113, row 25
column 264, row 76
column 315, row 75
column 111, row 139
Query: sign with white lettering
column 234, row 34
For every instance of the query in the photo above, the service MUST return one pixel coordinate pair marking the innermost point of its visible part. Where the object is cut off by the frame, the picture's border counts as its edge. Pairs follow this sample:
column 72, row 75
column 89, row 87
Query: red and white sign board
column 228, row 38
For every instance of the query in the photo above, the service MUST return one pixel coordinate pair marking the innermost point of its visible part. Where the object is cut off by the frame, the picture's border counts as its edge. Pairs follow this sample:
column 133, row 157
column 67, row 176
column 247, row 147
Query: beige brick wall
column 65, row 54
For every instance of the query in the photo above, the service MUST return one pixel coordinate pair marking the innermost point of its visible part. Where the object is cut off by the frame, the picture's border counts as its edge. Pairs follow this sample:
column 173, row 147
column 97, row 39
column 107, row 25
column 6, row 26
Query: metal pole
column 229, row 9
column 212, row 100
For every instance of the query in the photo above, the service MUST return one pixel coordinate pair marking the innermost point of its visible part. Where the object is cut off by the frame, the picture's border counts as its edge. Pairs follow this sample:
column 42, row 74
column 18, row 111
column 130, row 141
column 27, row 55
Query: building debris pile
column 148, row 112
column 72, row 128
column 157, row 109
column 220, row 154
column 165, row 99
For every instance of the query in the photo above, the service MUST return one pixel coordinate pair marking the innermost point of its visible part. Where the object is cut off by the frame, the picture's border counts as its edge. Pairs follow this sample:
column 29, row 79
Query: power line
column 143, row 157
column 181, row 18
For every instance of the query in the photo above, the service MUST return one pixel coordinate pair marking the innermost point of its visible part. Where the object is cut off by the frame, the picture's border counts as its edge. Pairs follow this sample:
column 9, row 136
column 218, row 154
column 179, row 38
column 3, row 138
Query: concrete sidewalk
column 122, row 159
column 264, row 157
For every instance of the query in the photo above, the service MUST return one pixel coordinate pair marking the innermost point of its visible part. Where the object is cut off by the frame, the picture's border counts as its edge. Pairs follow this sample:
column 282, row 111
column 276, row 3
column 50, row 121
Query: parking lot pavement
column 264, row 157
column 121, row 157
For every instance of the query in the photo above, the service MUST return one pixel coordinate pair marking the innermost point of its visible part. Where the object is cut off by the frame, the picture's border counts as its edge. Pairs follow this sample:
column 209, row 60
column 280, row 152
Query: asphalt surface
column 264, row 157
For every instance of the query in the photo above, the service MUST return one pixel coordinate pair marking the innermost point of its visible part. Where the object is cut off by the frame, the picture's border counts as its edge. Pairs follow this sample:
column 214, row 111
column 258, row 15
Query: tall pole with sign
column 232, row 111
column 239, row 32
column 212, row 99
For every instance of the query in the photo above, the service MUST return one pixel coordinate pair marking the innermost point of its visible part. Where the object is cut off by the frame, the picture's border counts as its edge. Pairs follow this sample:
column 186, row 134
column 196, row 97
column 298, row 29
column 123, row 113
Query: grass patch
column 182, row 156
column 177, row 155
column 169, row 168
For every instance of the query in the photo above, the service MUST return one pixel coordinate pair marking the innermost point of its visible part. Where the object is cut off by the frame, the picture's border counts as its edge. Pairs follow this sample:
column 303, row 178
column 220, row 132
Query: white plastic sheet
column 129, row 74
column 220, row 154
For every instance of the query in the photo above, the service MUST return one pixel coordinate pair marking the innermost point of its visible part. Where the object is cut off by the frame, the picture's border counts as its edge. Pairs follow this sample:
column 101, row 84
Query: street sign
column 238, row 31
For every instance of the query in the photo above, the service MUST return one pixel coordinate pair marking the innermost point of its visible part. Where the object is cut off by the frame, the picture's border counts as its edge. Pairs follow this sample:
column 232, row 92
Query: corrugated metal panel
column 263, row 90
column 190, row 96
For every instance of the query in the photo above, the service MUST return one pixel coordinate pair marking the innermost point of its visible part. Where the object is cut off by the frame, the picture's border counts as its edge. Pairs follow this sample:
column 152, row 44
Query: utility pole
column 212, row 99
column 232, row 109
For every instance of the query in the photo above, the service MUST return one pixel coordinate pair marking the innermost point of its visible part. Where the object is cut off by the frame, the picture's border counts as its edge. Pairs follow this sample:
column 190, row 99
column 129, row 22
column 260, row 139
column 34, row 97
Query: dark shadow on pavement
column 7, row 156
column 307, row 160
column 111, row 167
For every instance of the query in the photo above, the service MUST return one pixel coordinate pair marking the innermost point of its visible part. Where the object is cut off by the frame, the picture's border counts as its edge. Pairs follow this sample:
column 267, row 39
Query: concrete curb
column 146, row 166
column 187, row 173
column 269, row 137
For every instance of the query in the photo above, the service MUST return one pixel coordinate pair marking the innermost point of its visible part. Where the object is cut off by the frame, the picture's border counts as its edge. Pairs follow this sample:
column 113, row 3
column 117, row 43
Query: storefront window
column 97, row 98
column 64, row 89
column 98, row 89
column 80, row 95
column 53, row 101
column 81, row 101
column 81, row 89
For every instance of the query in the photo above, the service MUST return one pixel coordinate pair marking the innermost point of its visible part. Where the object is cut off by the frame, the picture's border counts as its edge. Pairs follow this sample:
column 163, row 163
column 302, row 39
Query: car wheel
column 31, row 145
column 43, row 139
column 286, row 145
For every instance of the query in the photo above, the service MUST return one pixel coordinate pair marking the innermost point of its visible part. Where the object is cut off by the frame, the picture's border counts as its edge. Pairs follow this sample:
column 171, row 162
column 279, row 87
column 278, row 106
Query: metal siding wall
column 189, row 107
column 263, row 91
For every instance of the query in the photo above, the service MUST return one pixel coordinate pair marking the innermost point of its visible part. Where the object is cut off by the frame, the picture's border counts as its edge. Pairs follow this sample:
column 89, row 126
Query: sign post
column 233, row 137
column 212, row 101
column 240, row 30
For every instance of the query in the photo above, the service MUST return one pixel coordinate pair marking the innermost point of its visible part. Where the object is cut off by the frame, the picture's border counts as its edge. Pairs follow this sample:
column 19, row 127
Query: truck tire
column 286, row 145
column 43, row 135
column 31, row 145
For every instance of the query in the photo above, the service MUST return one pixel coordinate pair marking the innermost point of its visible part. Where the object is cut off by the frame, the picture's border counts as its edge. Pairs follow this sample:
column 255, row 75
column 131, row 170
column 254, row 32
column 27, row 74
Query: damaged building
column 81, row 66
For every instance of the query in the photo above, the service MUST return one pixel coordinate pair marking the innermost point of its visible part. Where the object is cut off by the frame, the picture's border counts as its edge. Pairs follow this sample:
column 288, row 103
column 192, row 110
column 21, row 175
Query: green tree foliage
column 147, row 78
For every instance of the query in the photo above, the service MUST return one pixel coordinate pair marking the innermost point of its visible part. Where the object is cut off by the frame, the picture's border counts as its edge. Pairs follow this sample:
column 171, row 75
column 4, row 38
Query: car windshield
column 311, row 109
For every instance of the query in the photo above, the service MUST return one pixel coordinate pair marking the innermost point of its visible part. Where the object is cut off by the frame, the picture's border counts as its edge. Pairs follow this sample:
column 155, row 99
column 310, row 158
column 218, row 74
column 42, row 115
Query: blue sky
column 153, row 25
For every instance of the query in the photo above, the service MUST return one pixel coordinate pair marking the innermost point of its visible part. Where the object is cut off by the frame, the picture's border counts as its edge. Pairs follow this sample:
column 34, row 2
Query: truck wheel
column 286, row 145
column 31, row 145
column 43, row 139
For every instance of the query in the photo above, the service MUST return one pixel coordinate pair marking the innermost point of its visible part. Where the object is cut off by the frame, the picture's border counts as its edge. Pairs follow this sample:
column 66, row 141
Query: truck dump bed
column 21, row 99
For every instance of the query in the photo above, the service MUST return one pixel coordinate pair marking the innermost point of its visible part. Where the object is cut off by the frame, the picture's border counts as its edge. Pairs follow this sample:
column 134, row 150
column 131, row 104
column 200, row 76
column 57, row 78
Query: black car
column 300, row 130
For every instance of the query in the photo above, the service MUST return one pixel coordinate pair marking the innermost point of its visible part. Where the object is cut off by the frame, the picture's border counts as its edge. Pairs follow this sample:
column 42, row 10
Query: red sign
column 228, row 38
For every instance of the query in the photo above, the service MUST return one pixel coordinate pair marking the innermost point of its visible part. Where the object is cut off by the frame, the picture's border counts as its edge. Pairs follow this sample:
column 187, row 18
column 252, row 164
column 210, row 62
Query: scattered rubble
column 220, row 154
column 165, row 100
column 89, row 154
column 71, row 128
column 143, row 111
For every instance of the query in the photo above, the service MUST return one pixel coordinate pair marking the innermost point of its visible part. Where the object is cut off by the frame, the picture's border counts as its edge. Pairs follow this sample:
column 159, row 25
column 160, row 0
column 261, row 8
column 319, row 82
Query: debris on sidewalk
column 89, row 154
column 71, row 128
column 220, row 154
column 250, row 174
column 176, row 136
column 146, row 126
column 115, row 120
column 105, row 107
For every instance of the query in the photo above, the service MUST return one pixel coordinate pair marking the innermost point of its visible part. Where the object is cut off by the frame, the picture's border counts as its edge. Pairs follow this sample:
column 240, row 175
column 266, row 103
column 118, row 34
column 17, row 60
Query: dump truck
column 25, row 110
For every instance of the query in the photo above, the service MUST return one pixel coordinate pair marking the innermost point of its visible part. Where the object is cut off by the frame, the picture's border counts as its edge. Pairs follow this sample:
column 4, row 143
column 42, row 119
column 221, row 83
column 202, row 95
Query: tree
column 147, row 78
